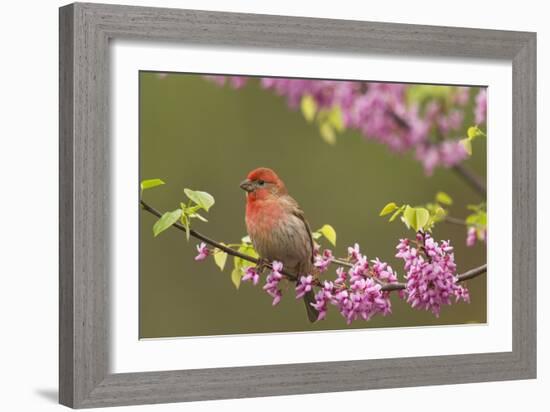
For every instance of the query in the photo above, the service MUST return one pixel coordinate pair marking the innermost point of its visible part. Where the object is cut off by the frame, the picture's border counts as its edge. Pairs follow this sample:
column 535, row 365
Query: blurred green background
column 196, row 134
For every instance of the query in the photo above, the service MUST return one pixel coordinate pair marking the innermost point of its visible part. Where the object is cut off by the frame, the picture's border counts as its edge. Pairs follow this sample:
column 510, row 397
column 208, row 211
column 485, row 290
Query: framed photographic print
column 257, row 205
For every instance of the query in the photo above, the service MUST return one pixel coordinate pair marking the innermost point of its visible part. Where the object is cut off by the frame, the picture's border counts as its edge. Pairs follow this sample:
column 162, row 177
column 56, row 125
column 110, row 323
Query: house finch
column 277, row 227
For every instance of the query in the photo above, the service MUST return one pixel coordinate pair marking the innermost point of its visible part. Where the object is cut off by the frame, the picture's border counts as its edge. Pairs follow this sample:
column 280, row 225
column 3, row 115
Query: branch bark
column 471, row 178
column 211, row 242
column 455, row 221
column 388, row 287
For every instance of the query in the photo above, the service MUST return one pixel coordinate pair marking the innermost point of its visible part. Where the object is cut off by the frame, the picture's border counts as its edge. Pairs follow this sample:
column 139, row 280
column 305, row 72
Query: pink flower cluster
column 380, row 111
column 322, row 261
column 251, row 274
column 447, row 154
column 272, row 282
column 473, row 235
column 431, row 273
column 356, row 293
column 305, row 285
column 203, row 252
column 481, row 106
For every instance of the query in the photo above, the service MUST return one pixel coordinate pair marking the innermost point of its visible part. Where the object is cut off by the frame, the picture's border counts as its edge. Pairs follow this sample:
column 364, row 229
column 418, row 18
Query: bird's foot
column 262, row 266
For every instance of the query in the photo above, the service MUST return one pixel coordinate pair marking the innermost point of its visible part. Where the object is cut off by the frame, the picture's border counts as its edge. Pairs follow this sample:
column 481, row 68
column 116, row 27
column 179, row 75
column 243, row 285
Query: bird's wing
column 299, row 213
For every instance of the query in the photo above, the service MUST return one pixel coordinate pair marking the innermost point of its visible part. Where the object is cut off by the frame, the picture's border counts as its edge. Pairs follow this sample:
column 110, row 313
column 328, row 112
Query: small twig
column 455, row 221
column 341, row 262
column 387, row 287
column 467, row 175
column 212, row 242
column 471, row 178
column 472, row 273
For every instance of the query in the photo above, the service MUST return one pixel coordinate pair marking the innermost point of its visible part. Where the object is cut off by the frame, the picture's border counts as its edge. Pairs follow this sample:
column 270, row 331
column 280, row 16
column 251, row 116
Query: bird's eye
column 261, row 183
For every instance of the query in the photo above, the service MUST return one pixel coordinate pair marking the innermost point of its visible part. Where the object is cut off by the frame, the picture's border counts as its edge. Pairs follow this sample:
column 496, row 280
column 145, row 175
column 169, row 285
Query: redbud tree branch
column 471, row 178
column 455, row 221
column 388, row 287
column 211, row 242
column 466, row 174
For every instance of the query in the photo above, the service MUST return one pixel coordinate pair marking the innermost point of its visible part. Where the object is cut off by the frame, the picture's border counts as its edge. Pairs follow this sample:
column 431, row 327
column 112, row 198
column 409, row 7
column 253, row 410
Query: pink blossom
column 341, row 275
column 474, row 234
column 383, row 271
column 272, row 282
column 354, row 253
column 362, row 300
column 471, row 237
column 304, row 286
column 463, row 293
column 323, row 261
column 461, row 96
column 251, row 274
column 238, row 82
column 322, row 298
column 481, row 107
column 431, row 276
column 381, row 112
column 203, row 252
column 447, row 154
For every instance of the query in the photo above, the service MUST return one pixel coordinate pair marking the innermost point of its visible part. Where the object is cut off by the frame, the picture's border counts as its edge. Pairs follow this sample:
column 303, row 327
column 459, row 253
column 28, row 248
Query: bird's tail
column 312, row 313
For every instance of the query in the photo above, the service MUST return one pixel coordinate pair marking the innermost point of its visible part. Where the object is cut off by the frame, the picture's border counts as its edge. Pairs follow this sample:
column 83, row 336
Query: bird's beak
column 247, row 185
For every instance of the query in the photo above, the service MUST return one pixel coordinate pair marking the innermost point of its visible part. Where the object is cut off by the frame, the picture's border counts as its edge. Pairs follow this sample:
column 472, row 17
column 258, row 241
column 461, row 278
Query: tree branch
column 454, row 220
column 471, row 178
column 472, row 273
column 466, row 174
column 387, row 287
column 212, row 242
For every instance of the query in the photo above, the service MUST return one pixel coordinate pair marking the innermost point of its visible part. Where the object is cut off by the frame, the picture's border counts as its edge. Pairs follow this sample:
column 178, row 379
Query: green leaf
column 236, row 275
column 247, row 249
column 241, row 264
column 335, row 119
column 316, row 235
column 309, row 107
column 444, row 198
column 471, row 220
column 327, row 133
column 422, row 218
column 246, row 239
column 167, row 220
column 440, row 213
column 467, row 143
column 483, row 219
column 198, row 216
column 416, row 217
column 418, row 94
column 150, row 183
column 390, row 207
column 474, row 132
column 202, row 199
column 187, row 224
column 397, row 213
column 329, row 233
column 220, row 258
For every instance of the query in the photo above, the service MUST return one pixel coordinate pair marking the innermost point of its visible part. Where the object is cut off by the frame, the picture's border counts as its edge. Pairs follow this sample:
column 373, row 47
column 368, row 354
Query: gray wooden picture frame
column 85, row 32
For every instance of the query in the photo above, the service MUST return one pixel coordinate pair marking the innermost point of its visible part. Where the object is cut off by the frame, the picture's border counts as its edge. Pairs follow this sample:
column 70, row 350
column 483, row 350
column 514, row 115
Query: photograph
column 277, row 205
